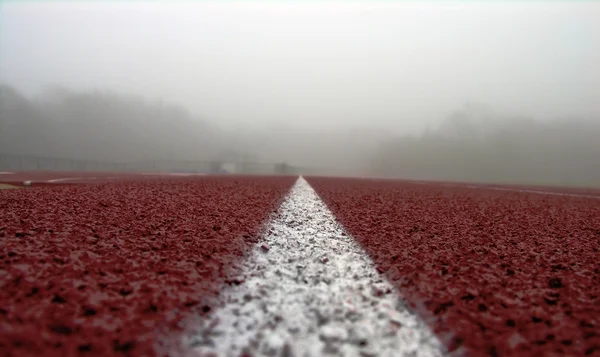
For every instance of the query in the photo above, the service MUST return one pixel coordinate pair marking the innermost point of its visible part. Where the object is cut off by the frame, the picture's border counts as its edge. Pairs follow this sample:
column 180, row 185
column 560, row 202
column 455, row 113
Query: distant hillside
column 102, row 126
column 475, row 144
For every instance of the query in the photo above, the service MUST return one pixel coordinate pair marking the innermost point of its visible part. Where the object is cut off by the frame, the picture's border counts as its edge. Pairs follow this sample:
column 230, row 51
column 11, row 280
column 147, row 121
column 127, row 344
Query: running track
column 163, row 265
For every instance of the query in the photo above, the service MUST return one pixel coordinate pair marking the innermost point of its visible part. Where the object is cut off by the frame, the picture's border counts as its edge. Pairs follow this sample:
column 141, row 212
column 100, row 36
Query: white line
column 310, row 290
column 524, row 190
column 544, row 192
column 6, row 173
column 507, row 189
column 67, row 179
column 171, row 174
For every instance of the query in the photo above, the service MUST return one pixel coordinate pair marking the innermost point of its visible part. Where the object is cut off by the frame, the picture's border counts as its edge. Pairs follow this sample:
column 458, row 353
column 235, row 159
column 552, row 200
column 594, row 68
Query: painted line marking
column 546, row 192
column 526, row 191
column 68, row 179
column 509, row 189
column 6, row 173
column 308, row 290
column 171, row 174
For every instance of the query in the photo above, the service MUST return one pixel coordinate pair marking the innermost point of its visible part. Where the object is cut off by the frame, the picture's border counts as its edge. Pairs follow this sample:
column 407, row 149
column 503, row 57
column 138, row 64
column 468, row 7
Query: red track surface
column 495, row 272
column 99, row 269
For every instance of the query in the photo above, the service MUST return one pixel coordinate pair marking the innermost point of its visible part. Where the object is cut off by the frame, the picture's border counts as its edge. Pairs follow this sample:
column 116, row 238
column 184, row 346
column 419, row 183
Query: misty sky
column 395, row 65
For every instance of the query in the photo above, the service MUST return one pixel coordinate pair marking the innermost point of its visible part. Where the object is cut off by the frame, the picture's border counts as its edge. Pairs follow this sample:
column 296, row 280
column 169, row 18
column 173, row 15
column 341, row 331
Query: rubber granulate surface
column 108, row 269
column 495, row 273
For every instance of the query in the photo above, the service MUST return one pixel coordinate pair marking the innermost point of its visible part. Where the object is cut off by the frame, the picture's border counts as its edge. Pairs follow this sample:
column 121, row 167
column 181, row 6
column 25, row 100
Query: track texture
column 105, row 269
column 495, row 273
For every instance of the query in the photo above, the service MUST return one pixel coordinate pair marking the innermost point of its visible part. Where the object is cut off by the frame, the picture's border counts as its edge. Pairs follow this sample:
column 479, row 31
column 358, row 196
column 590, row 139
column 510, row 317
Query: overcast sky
column 393, row 65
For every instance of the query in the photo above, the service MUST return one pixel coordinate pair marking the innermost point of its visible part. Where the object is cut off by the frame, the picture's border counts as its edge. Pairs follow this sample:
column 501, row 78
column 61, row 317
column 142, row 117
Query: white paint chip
column 313, row 292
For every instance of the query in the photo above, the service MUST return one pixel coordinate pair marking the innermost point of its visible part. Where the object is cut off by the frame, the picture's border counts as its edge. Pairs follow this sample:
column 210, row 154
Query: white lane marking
column 525, row 190
column 68, row 179
column 508, row 189
column 6, row 173
column 171, row 174
column 309, row 290
column 543, row 192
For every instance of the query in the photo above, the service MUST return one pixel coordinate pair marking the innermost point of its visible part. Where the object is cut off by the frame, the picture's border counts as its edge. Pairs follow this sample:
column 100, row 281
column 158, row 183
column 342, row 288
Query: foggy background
column 498, row 92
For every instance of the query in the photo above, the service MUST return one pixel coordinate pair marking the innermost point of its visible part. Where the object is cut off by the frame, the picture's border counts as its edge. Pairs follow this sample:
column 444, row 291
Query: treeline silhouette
column 114, row 128
column 474, row 144
column 100, row 125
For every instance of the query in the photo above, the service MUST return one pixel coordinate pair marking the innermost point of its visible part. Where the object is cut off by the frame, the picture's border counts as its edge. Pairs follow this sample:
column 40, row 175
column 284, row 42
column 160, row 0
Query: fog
column 494, row 92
